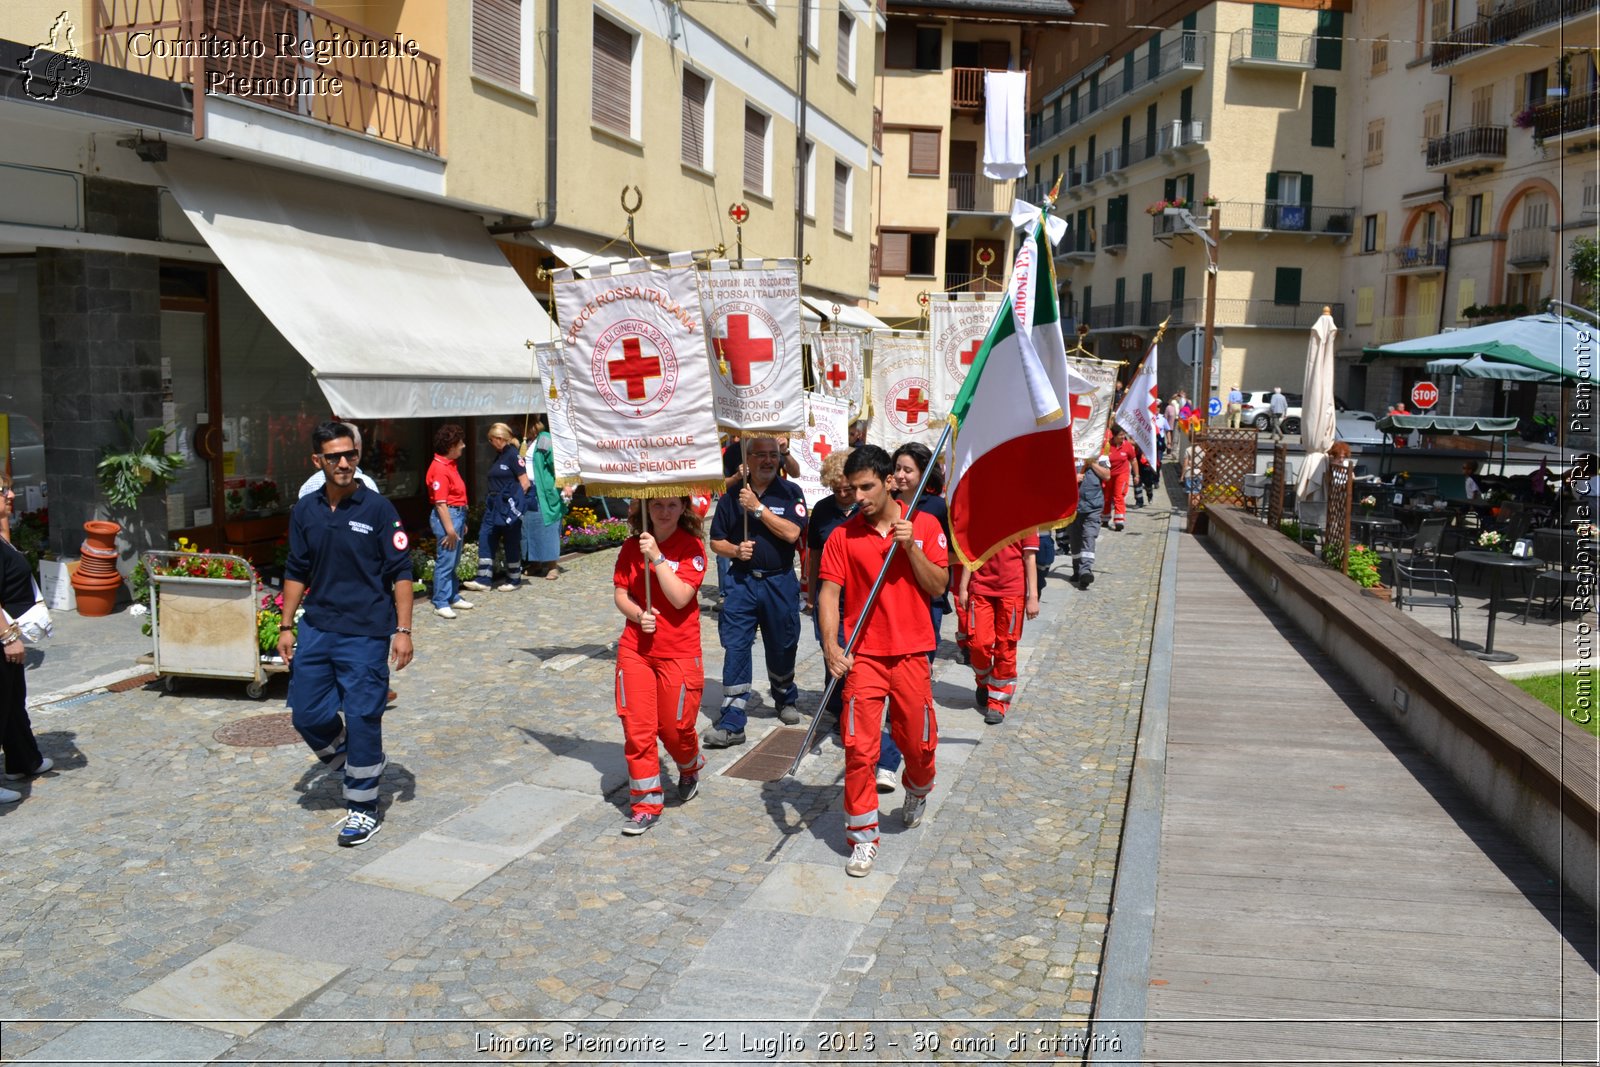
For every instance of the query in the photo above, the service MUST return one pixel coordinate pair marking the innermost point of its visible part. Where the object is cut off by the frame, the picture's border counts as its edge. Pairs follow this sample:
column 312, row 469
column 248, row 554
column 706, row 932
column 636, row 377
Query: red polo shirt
column 444, row 483
column 1002, row 574
column 1122, row 456
column 677, row 629
column 900, row 623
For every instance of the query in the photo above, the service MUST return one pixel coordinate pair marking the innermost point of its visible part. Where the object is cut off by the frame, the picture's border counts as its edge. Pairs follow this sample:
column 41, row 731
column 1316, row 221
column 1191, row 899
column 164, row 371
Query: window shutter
column 497, row 40
column 1305, row 189
column 894, row 251
column 1324, row 109
column 1088, row 302
column 1177, row 289
column 1169, row 189
column 1364, row 306
column 841, row 197
column 847, row 25
column 1330, row 39
column 1458, row 217
column 1488, row 211
column 613, row 77
column 755, row 152
column 1383, row 225
column 1286, row 286
column 925, row 153
column 1272, row 186
column 1428, row 300
column 900, row 45
column 1466, row 296
column 694, row 119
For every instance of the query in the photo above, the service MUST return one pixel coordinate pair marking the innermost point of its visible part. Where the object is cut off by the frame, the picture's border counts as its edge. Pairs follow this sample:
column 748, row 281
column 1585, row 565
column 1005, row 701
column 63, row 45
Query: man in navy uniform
column 762, row 588
column 346, row 545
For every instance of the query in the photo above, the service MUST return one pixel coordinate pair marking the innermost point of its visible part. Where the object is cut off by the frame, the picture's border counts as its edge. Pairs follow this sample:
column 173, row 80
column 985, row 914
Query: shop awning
column 578, row 249
column 403, row 309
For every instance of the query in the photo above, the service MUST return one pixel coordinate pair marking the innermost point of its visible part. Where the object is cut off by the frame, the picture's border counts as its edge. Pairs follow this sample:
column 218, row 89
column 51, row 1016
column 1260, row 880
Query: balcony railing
column 1238, row 313
column 966, row 88
column 1390, row 328
column 1507, row 25
column 1573, row 115
column 1420, row 258
column 1466, row 145
column 1114, row 235
column 981, row 195
column 1287, row 218
column 384, row 90
column 1077, row 244
column 966, row 281
column 1270, row 49
column 1184, row 53
column 1528, row 246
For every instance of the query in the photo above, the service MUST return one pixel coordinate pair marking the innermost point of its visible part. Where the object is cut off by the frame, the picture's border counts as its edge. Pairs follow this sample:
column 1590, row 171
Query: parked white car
column 1357, row 428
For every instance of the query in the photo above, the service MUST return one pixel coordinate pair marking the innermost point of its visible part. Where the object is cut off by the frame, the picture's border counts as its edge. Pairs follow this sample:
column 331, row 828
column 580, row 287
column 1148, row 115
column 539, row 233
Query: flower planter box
column 206, row 627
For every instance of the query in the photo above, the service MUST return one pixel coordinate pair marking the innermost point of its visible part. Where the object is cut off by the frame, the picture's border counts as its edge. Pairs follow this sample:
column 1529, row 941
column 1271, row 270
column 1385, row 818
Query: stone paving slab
column 133, row 1041
column 346, row 923
column 236, row 989
column 434, row 865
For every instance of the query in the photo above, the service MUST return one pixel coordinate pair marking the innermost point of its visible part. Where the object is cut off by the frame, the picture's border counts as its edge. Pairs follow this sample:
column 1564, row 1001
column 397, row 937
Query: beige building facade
column 1470, row 199
column 1234, row 111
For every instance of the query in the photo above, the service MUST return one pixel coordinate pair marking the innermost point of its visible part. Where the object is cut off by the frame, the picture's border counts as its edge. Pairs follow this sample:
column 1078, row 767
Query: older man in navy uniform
column 347, row 547
column 762, row 588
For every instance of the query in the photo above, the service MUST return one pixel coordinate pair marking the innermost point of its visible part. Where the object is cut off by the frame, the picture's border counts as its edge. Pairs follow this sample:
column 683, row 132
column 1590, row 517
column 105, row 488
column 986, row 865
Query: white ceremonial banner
column 957, row 325
column 639, row 379
column 752, row 315
column 1137, row 413
column 558, row 410
column 902, row 409
column 1091, row 412
column 827, row 428
column 837, row 367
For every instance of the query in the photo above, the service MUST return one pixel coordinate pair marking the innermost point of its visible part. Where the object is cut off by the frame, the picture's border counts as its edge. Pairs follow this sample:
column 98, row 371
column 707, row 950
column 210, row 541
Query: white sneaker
column 911, row 814
column 463, row 605
column 444, row 613
column 45, row 763
column 886, row 780
column 506, row 587
column 475, row 587
column 861, row 858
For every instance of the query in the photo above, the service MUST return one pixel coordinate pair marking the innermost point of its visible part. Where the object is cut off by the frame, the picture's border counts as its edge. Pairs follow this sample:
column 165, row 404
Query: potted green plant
column 124, row 475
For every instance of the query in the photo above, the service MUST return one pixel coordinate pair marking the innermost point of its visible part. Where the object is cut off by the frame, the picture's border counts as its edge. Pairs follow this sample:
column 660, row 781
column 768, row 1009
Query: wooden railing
column 980, row 194
column 332, row 70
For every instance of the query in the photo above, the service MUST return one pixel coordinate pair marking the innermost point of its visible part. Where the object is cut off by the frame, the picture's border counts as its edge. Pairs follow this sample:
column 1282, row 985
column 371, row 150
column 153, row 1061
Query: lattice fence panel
column 1280, row 478
column 1227, row 456
column 1338, row 484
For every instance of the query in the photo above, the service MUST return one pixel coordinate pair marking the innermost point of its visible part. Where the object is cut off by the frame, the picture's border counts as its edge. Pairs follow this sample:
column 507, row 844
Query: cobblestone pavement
column 159, row 875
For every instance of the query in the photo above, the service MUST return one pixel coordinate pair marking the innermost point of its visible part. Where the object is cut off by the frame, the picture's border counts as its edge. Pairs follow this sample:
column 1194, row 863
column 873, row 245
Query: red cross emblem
column 836, row 376
column 970, row 353
column 738, row 213
column 822, row 447
column 911, row 406
column 741, row 350
column 634, row 368
column 1081, row 408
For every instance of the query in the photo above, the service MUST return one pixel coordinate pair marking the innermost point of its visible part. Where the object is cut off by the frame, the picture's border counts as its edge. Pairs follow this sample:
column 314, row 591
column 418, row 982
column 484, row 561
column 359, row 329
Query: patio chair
column 1417, row 584
column 1561, row 575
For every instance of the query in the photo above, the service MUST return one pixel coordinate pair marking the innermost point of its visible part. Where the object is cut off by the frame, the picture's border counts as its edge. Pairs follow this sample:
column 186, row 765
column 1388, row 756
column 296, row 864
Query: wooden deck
column 1325, row 891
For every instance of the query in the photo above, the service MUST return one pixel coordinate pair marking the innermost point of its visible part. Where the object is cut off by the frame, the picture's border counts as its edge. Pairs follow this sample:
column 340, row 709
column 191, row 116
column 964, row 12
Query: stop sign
column 1424, row 395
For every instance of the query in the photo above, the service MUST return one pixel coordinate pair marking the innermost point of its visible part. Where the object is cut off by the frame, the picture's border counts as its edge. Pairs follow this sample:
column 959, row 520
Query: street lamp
column 1208, row 239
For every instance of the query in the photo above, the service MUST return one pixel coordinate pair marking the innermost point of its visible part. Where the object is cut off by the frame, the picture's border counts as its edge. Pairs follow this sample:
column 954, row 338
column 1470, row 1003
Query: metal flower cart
column 205, row 626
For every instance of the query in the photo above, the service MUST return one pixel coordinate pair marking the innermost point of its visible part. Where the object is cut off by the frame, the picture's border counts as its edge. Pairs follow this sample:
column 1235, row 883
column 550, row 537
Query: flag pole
column 872, row 598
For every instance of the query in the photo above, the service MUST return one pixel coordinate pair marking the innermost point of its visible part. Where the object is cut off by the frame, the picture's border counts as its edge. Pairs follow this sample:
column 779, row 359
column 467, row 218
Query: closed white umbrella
column 1317, row 426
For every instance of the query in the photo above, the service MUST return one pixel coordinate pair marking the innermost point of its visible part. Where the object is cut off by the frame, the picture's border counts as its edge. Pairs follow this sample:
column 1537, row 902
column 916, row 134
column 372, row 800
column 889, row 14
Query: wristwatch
column 658, row 561
column 758, row 510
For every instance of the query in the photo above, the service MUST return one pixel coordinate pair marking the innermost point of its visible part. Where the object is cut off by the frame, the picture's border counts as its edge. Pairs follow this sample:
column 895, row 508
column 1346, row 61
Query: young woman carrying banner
column 660, row 673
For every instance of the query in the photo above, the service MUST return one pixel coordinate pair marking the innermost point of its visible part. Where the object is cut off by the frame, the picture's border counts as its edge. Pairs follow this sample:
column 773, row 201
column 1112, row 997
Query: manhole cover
column 768, row 761
column 259, row 731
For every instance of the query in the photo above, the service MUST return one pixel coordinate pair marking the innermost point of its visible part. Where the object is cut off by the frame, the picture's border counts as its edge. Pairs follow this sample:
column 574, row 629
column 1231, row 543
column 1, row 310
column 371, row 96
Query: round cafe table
column 1376, row 527
column 1499, row 564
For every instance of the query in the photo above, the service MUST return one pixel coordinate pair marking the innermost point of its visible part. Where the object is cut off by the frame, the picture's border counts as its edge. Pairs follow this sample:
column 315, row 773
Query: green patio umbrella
column 1549, row 343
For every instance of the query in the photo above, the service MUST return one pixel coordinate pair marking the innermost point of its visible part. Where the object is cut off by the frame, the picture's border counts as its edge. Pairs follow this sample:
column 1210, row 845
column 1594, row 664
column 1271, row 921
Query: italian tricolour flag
column 1012, row 467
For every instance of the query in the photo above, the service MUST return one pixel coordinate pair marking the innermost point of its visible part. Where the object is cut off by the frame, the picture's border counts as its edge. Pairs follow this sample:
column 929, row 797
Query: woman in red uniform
column 660, row 673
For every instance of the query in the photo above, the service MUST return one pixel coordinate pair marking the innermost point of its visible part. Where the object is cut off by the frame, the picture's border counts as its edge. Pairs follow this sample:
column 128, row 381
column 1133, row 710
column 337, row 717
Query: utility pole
column 1213, row 254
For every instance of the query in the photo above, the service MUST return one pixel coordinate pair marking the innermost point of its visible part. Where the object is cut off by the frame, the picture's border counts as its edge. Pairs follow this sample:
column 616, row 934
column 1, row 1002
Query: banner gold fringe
column 645, row 491
column 1044, row 529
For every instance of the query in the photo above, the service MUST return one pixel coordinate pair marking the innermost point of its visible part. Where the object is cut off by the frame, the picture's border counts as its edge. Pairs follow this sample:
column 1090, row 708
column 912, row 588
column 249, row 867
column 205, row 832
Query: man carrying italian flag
column 1012, row 467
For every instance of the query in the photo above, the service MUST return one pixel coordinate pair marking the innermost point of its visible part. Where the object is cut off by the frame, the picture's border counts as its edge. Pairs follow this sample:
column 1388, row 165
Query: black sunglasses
column 333, row 458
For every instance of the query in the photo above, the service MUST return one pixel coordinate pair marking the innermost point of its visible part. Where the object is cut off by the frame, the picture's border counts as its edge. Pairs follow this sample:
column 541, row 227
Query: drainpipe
column 552, row 36
column 800, row 145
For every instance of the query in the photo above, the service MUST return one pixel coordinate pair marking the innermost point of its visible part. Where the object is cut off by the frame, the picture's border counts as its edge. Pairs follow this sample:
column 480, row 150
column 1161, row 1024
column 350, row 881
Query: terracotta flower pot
column 97, row 582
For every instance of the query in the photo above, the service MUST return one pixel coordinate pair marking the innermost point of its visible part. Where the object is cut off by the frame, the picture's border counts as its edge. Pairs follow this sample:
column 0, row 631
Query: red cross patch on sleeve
column 401, row 541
